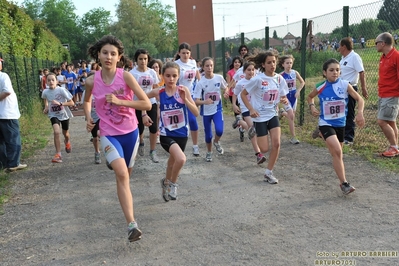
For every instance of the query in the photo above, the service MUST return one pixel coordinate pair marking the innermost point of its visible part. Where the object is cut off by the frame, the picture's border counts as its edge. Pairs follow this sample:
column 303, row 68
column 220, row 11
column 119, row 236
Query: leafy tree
column 388, row 12
column 275, row 34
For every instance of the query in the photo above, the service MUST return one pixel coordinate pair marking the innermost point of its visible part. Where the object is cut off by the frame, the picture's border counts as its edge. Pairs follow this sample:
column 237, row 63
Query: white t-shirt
column 240, row 86
column 8, row 106
column 188, row 72
column 61, row 78
column 239, row 74
column 210, row 88
column 146, row 80
column 265, row 95
column 61, row 95
column 351, row 65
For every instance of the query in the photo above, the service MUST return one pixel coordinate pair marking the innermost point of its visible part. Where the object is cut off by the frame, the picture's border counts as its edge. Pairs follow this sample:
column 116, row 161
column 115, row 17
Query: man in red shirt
column 388, row 91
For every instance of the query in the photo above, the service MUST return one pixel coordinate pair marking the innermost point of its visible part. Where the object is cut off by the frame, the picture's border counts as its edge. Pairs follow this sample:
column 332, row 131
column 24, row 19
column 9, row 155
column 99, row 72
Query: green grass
column 35, row 129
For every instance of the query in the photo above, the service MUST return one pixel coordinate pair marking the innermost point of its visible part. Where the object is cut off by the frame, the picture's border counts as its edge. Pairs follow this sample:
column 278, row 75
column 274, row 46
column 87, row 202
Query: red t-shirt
column 388, row 82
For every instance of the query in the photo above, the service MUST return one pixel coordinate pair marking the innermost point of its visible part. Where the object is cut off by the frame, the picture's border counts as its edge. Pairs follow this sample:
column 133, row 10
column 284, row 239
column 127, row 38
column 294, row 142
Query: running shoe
column 109, row 165
column 165, row 190
column 173, row 191
column 134, row 232
column 294, row 140
column 316, row 133
column 251, row 132
column 57, row 159
column 241, row 134
column 270, row 178
column 68, row 147
column 236, row 122
column 141, row 149
column 218, row 147
column 208, row 157
column 260, row 158
column 347, row 188
column 97, row 158
column 391, row 152
column 154, row 156
column 196, row 150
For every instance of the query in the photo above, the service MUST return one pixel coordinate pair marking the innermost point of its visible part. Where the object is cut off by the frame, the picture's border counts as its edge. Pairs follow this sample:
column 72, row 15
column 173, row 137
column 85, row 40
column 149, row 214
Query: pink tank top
column 114, row 120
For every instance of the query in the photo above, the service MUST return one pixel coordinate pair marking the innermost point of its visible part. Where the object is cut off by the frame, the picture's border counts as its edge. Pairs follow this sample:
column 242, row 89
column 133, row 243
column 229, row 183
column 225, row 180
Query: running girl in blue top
column 174, row 102
column 333, row 99
column 291, row 76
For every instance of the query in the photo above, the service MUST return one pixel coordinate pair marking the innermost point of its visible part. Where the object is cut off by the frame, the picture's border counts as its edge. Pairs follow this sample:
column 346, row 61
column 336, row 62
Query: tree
column 275, row 34
column 388, row 13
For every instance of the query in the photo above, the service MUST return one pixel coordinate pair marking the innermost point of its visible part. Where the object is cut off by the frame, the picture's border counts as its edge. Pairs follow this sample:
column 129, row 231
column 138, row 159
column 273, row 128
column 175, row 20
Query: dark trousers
column 350, row 117
column 10, row 142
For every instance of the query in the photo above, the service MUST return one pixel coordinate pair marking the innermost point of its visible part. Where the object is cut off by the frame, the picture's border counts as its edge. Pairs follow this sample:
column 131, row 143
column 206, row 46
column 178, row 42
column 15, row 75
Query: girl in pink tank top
column 113, row 89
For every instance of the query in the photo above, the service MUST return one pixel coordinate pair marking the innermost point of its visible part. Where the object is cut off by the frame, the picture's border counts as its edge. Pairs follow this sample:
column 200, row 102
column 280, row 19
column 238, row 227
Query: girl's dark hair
column 329, row 62
column 107, row 39
column 206, row 59
column 170, row 65
column 141, row 51
column 242, row 46
column 231, row 66
column 246, row 65
column 282, row 59
column 182, row 46
column 51, row 74
column 159, row 62
column 260, row 59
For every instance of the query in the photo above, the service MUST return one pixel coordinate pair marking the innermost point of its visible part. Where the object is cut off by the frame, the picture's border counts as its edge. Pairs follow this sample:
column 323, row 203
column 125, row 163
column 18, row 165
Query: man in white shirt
column 352, row 70
column 10, row 138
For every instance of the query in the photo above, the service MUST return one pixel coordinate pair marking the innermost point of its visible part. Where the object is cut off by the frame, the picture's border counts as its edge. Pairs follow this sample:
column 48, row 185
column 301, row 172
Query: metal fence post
column 223, row 52
column 345, row 23
column 267, row 38
column 210, row 48
column 303, row 70
column 242, row 38
column 198, row 52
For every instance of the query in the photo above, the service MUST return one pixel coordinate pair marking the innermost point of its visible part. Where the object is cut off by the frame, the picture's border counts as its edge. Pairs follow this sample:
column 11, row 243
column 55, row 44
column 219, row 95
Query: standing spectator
column 388, row 91
column 351, row 70
column 362, row 41
column 10, row 138
column 396, row 38
column 228, row 60
column 242, row 50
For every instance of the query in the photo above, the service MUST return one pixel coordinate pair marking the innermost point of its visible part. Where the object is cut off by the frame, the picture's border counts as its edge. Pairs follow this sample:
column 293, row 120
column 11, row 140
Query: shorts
column 94, row 131
column 388, row 108
column 78, row 90
column 328, row 131
column 245, row 114
column 263, row 128
column 64, row 123
column 166, row 142
column 121, row 146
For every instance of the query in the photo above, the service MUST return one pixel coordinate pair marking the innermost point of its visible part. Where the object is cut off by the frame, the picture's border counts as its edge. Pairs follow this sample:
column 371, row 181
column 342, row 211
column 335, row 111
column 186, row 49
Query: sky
column 234, row 16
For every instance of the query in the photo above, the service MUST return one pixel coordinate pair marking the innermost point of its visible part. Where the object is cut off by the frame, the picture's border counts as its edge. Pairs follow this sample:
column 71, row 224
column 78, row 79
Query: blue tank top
column 333, row 98
column 173, row 115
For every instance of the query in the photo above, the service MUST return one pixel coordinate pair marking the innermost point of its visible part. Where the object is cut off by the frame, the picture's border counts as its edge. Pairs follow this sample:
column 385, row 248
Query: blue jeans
column 10, row 141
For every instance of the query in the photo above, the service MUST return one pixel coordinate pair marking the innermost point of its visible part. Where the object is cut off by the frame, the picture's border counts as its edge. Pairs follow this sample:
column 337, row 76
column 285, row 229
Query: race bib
column 334, row 109
column 214, row 96
column 189, row 75
column 291, row 84
column 270, row 96
column 173, row 119
column 144, row 82
column 70, row 80
column 56, row 108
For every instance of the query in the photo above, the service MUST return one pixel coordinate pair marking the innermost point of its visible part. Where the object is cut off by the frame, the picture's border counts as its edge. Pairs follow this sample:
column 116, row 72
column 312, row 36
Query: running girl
column 55, row 100
column 188, row 74
column 113, row 89
column 147, row 79
column 249, row 70
column 174, row 102
column 207, row 94
column 266, row 90
column 291, row 76
column 333, row 99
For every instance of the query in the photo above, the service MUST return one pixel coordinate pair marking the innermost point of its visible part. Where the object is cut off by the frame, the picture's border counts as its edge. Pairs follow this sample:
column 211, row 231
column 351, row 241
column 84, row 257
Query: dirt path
column 68, row 214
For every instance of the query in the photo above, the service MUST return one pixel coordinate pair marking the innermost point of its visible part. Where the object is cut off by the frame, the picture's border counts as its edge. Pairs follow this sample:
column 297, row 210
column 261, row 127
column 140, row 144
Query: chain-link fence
column 321, row 35
column 25, row 78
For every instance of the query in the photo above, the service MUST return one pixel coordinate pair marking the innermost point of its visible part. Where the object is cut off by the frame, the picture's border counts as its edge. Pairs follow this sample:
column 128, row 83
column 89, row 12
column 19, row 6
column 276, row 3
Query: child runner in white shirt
column 247, row 123
column 266, row 89
column 55, row 100
column 174, row 102
column 188, row 74
column 291, row 76
column 207, row 94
